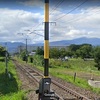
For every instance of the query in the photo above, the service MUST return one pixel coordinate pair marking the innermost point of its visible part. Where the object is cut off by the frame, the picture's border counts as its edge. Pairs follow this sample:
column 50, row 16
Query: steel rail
column 66, row 89
column 37, row 80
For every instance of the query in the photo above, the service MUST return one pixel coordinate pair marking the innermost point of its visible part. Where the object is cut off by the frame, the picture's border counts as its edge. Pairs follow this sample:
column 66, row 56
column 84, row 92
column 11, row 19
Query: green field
column 10, row 84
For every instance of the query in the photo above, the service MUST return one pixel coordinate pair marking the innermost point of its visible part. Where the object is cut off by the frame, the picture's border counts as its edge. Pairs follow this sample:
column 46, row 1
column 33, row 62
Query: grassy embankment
column 10, row 86
column 66, row 70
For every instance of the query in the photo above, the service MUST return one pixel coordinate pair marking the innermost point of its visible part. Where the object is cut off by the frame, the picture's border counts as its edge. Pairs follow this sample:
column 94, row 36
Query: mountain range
column 93, row 41
column 83, row 40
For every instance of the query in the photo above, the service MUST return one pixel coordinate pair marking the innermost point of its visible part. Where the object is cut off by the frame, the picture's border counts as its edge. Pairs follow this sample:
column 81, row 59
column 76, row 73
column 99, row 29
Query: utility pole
column 26, row 51
column 44, row 92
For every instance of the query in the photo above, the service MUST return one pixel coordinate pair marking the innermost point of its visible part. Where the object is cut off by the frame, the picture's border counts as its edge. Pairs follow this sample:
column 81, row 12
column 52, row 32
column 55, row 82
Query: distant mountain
column 92, row 41
column 12, row 47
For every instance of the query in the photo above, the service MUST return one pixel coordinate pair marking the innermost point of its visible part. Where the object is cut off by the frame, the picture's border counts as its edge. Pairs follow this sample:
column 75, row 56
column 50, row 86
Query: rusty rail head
column 72, row 92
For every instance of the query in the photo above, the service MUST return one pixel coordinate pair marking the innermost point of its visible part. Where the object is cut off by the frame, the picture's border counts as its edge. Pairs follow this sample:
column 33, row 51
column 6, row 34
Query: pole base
column 44, row 92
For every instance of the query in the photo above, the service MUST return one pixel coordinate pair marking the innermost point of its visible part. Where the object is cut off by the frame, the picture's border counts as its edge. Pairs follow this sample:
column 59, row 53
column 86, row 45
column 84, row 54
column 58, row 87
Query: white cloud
column 77, row 25
column 14, row 21
column 84, row 23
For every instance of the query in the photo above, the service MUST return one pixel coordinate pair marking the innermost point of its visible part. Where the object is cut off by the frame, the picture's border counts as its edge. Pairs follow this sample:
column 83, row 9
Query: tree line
column 75, row 51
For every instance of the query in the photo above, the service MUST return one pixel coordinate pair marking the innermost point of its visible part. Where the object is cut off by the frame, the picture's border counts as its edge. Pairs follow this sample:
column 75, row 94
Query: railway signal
column 44, row 92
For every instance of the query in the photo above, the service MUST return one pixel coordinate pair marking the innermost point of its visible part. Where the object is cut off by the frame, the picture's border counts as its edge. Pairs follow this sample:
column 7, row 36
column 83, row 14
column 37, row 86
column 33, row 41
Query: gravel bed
column 27, row 85
column 82, row 91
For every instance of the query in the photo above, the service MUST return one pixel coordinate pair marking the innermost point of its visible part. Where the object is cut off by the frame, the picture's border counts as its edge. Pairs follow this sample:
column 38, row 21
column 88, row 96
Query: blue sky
column 19, row 4
column 74, row 19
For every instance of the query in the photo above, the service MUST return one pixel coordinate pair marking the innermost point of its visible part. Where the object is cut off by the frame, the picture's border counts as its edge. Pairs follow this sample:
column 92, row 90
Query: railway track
column 63, row 92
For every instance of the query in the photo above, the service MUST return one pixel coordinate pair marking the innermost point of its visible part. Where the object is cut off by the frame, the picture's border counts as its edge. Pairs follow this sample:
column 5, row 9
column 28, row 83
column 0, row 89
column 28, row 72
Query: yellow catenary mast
column 44, row 92
column 46, row 41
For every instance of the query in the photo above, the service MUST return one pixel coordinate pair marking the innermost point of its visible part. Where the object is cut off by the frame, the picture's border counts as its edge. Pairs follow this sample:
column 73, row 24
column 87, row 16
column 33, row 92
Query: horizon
column 51, row 41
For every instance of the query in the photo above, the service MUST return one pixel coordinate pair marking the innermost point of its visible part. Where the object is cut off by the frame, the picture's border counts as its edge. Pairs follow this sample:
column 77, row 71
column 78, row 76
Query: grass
column 10, row 86
column 14, row 96
column 69, row 78
column 80, row 67
column 66, row 70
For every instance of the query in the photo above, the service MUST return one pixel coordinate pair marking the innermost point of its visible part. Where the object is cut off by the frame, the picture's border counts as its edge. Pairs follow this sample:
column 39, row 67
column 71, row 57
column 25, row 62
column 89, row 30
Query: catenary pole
column 44, row 92
column 46, row 40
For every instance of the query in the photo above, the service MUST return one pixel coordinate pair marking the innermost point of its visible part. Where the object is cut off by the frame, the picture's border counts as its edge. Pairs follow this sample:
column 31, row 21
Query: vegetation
column 97, row 57
column 10, row 84
column 40, row 51
column 66, row 69
column 76, row 63
column 84, row 51
column 2, row 51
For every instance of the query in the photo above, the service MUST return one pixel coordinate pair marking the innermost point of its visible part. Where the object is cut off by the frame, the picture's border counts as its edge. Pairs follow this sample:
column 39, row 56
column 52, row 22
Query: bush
column 2, row 59
column 38, row 60
column 58, row 63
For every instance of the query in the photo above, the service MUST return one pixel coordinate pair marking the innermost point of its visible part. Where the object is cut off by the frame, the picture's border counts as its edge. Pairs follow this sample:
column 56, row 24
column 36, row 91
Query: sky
column 69, row 19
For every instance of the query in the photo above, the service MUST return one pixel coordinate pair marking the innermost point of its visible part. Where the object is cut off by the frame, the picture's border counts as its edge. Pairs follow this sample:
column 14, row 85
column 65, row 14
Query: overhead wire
column 64, row 5
column 53, row 9
column 72, row 5
column 78, row 7
column 56, row 6
column 79, row 18
column 72, row 10
column 37, row 25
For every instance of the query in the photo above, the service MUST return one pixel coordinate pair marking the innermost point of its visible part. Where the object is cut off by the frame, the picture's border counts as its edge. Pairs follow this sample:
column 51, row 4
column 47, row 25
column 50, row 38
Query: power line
column 37, row 34
column 56, row 6
column 78, row 18
column 53, row 9
column 72, row 10
column 63, row 6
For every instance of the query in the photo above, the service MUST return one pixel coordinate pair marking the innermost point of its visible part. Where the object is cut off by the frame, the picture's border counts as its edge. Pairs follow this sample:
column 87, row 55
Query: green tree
column 72, row 51
column 97, row 57
column 40, row 51
column 69, row 53
column 85, row 51
column 2, row 51
column 23, row 53
column 62, row 52
column 74, row 47
column 54, row 53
